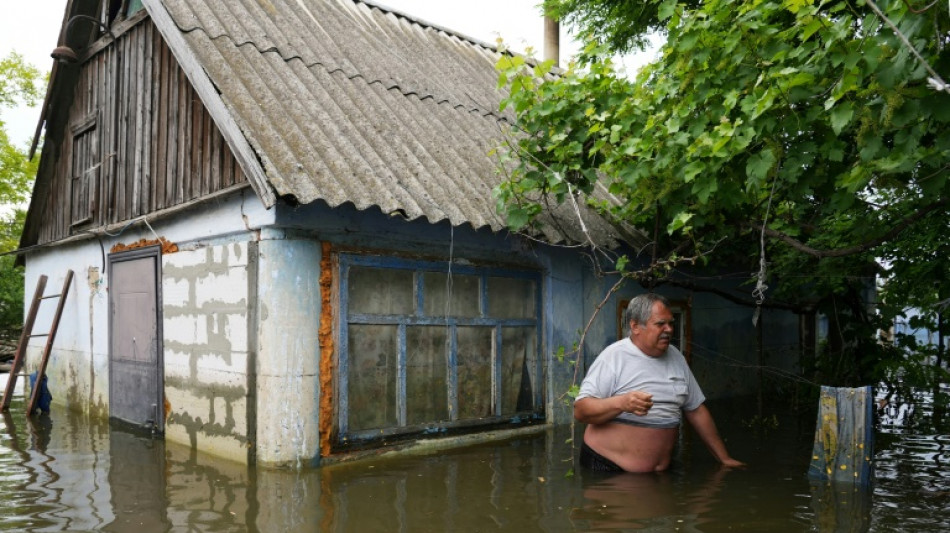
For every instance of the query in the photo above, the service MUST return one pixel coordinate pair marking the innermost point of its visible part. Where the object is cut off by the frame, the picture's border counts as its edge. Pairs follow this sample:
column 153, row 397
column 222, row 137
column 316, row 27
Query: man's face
column 653, row 338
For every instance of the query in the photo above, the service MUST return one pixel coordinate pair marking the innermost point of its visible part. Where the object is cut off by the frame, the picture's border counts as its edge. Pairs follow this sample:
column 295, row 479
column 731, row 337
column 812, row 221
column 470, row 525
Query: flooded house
column 286, row 250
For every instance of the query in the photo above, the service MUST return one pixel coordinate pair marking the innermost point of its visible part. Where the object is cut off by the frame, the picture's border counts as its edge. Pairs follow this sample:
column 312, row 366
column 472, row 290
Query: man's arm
column 702, row 421
column 590, row 410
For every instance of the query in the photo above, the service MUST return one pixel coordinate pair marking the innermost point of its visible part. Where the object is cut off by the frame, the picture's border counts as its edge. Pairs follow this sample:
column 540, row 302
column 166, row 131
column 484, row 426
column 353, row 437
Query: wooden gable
column 131, row 137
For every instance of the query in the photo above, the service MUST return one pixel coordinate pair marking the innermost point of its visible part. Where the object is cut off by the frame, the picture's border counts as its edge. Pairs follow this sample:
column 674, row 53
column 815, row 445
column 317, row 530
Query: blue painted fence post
column 844, row 436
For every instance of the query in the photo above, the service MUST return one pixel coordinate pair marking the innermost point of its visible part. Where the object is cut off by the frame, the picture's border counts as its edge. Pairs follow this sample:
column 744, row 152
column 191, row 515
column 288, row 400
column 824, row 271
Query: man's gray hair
column 641, row 307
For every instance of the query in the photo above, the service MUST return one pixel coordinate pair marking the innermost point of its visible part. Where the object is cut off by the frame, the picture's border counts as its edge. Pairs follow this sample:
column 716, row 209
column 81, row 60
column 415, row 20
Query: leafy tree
column 805, row 141
column 620, row 25
column 19, row 83
column 11, row 276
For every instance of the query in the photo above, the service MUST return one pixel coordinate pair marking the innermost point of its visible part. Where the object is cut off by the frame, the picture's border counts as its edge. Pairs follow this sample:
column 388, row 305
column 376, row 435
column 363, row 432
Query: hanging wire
column 121, row 230
column 157, row 238
column 448, row 290
column 760, row 287
column 448, row 279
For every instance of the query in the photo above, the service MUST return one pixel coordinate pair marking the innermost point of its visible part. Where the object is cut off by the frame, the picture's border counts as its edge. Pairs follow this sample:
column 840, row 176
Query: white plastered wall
column 288, row 360
column 78, row 368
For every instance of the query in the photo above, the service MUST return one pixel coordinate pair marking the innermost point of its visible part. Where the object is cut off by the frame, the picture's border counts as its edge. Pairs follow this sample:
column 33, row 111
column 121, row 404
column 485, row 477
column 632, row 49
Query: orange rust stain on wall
column 326, row 349
column 167, row 247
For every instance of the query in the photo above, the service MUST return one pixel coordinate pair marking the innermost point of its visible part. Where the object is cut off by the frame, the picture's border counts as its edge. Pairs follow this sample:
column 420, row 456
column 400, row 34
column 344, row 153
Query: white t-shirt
column 622, row 368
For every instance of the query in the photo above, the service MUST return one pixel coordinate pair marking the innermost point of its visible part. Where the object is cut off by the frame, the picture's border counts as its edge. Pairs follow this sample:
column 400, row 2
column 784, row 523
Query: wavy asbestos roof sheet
column 345, row 101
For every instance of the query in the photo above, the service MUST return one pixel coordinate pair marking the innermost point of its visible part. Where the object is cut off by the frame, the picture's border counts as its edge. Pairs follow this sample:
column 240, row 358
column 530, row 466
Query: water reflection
column 912, row 478
column 136, row 469
column 841, row 507
column 48, row 486
column 648, row 502
column 64, row 472
column 511, row 486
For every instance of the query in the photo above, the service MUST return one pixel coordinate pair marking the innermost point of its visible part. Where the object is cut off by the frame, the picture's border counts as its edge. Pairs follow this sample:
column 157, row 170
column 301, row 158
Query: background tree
column 806, row 142
column 20, row 83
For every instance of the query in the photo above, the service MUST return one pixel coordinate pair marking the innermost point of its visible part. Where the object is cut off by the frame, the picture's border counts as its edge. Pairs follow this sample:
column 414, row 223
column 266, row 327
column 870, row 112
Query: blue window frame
column 429, row 348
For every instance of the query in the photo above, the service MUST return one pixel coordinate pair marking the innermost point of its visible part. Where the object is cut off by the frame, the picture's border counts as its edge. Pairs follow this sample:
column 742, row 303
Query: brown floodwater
column 63, row 472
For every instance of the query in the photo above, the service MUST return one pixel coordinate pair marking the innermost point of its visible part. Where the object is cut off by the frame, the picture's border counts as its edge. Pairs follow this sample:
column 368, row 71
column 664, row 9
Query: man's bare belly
column 633, row 448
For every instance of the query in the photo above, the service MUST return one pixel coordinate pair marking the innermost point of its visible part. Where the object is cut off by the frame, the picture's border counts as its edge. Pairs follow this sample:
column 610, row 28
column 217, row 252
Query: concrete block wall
column 207, row 303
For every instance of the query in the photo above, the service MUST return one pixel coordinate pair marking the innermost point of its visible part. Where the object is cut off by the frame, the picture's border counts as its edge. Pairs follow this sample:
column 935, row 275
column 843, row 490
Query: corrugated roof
column 345, row 101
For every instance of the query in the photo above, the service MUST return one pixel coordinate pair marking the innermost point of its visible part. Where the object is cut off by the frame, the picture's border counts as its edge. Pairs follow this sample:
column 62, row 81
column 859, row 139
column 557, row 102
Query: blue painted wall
column 726, row 356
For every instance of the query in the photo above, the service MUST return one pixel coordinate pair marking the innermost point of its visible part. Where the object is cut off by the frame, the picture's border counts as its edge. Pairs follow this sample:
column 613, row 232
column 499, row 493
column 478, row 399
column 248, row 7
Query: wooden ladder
column 25, row 336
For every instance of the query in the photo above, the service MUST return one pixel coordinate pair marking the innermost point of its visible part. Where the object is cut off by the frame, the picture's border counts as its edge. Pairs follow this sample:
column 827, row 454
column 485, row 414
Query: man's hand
column 732, row 463
column 636, row 402
column 590, row 410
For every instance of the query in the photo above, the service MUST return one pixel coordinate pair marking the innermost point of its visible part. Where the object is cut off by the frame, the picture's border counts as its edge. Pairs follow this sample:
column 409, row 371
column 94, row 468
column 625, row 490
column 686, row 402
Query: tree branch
column 935, row 80
column 858, row 248
column 745, row 302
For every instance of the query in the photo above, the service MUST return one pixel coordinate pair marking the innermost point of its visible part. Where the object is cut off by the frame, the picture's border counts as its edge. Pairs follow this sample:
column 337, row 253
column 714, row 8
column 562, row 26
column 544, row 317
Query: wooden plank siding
column 155, row 145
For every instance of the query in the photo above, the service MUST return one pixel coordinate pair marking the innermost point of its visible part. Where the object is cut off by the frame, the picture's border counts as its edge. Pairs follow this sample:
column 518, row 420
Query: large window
column 426, row 349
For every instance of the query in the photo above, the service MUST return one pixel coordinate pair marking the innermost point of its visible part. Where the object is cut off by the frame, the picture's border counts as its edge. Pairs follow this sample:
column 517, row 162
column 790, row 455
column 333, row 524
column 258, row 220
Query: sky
column 32, row 28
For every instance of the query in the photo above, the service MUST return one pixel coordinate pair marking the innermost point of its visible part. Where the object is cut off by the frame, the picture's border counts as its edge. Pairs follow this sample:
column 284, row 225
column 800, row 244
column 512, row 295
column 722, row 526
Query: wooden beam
column 151, row 217
column 243, row 152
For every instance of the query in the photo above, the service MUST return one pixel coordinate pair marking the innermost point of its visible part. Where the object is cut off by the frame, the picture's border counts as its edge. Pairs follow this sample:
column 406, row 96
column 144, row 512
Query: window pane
column 372, row 359
column 84, row 176
column 463, row 295
column 474, row 372
column 518, row 364
column 426, row 390
column 510, row 298
column 380, row 291
column 679, row 330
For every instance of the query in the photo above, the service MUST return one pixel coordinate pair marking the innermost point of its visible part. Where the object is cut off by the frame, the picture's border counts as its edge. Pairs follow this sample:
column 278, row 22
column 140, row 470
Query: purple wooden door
column 135, row 361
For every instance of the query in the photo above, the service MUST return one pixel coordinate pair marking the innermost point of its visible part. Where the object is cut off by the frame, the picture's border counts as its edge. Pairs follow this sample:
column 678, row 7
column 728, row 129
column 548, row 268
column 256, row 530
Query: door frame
column 155, row 253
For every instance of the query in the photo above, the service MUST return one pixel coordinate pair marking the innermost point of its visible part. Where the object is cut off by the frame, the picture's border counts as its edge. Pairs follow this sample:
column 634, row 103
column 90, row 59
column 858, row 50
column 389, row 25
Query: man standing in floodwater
column 635, row 394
